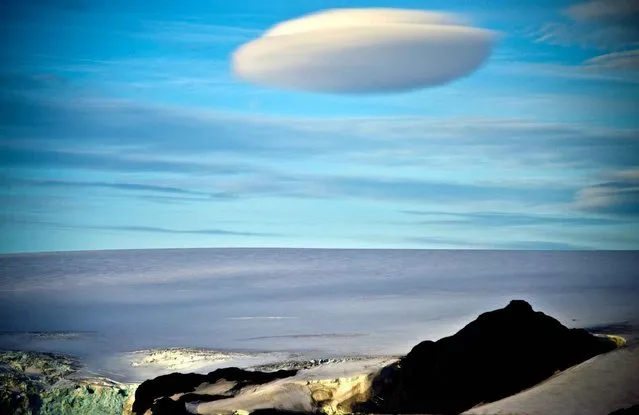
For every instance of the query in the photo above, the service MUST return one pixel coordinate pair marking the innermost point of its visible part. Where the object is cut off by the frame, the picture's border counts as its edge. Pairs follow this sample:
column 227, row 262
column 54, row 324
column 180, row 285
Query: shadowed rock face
column 633, row 410
column 501, row 353
column 168, row 406
column 168, row 385
column 272, row 411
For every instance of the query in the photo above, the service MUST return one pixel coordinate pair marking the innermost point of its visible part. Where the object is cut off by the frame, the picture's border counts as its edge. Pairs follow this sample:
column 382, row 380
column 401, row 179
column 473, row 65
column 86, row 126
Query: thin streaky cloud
column 147, row 229
column 261, row 318
column 603, row 10
column 110, row 162
column 502, row 219
column 133, row 187
column 626, row 60
column 589, row 70
column 452, row 243
column 619, row 198
column 153, row 128
column 195, row 32
column 596, row 24
column 212, row 232
column 193, row 25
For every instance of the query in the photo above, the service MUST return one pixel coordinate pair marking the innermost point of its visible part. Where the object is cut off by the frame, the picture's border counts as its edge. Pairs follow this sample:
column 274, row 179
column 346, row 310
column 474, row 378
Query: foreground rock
column 177, row 383
column 332, row 386
column 598, row 386
column 43, row 383
column 499, row 354
column 633, row 410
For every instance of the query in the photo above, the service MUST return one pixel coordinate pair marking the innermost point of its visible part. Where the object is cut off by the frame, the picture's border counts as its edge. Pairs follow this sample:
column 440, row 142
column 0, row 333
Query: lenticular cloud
column 364, row 51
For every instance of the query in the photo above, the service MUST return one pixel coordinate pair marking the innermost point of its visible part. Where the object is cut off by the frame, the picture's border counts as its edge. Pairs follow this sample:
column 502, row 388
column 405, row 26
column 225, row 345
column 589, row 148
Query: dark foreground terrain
column 499, row 354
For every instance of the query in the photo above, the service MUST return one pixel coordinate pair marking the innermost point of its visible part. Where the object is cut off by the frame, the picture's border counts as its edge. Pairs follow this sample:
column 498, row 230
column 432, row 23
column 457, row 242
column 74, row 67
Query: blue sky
column 122, row 126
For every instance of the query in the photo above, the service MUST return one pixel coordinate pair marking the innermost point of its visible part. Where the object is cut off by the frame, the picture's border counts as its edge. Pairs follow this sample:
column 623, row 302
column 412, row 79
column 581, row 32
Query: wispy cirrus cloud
column 618, row 195
column 622, row 61
column 585, row 36
column 405, row 189
column 598, row 24
column 137, row 188
column 140, row 229
column 459, row 243
column 402, row 162
column 195, row 32
column 115, row 162
column 138, row 136
column 153, row 229
column 616, row 67
column 506, row 219
column 230, row 155
column 604, row 10
column 522, row 229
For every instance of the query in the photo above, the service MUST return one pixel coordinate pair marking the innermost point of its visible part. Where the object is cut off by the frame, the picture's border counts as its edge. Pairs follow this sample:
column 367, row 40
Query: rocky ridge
column 33, row 383
column 499, row 354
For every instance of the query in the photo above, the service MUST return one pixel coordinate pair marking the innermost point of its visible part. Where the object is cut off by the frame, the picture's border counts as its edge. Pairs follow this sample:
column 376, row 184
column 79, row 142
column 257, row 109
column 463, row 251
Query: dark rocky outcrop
column 633, row 410
column 168, row 406
column 501, row 353
column 174, row 383
column 273, row 411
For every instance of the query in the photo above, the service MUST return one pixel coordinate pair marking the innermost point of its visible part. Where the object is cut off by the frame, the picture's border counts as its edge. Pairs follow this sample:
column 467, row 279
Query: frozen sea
column 325, row 301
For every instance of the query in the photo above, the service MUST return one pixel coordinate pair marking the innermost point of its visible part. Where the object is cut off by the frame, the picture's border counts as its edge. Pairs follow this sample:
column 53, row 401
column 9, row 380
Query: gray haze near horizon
column 331, row 301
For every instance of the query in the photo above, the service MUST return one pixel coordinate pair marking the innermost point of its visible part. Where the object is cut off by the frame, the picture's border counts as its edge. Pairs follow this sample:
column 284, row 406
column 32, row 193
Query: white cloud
column 364, row 50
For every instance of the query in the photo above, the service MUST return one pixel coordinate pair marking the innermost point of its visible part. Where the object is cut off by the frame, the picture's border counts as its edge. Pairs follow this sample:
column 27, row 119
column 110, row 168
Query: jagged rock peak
column 501, row 353
column 519, row 306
